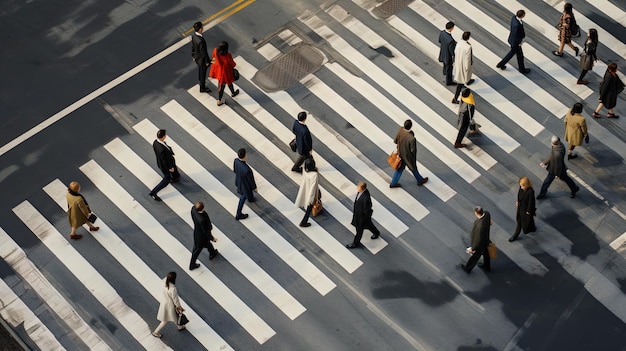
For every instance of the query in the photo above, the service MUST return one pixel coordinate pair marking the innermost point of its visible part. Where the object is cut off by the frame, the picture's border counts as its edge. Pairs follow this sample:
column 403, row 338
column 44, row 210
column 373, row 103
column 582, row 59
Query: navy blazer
column 448, row 44
column 304, row 142
column 517, row 32
column 164, row 156
column 244, row 179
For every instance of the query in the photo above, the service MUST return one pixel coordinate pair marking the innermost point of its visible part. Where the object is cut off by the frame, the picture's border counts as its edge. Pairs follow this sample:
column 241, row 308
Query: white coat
column 169, row 302
column 308, row 189
column 462, row 62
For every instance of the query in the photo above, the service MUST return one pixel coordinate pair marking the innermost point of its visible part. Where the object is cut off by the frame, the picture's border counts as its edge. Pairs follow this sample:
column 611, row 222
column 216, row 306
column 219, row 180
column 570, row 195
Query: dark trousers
column 202, row 68
column 447, row 71
column 583, row 74
column 462, row 130
column 167, row 178
column 459, row 88
column 299, row 161
column 473, row 260
column 550, row 177
column 359, row 232
column 307, row 214
column 515, row 50
column 196, row 252
column 220, row 93
column 242, row 199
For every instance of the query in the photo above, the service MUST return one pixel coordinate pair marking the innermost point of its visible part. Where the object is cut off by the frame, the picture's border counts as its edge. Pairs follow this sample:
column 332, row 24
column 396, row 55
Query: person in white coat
column 309, row 190
column 462, row 65
column 170, row 305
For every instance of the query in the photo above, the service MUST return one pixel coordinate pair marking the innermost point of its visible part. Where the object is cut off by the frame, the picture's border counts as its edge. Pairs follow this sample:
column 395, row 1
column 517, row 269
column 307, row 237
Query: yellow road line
column 223, row 14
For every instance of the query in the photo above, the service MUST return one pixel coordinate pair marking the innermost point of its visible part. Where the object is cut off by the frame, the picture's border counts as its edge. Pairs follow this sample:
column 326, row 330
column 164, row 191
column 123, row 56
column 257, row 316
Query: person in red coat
column 222, row 70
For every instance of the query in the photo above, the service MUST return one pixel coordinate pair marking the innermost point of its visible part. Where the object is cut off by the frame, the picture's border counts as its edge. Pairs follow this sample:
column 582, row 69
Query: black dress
column 525, row 203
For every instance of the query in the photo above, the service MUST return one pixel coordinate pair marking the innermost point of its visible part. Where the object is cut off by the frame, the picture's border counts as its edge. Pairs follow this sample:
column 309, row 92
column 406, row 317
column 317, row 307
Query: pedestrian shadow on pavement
column 402, row 284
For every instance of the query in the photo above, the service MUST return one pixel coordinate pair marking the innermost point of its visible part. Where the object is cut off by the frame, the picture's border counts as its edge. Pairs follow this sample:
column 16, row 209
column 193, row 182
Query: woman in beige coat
column 575, row 129
column 309, row 190
column 77, row 210
column 170, row 305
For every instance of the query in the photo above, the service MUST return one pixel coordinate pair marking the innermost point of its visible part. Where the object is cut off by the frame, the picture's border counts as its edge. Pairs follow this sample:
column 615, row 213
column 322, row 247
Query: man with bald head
column 362, row 215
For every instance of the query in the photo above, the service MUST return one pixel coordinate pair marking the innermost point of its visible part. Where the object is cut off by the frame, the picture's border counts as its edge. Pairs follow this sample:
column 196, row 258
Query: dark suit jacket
column 517, row 32
column 362, row 213
column 480, row 232
column 304, row 142
column 447, row 44
column 244, row 179
column 555, row 163
column 164, row 156
column 201, row 228
column 198, row 49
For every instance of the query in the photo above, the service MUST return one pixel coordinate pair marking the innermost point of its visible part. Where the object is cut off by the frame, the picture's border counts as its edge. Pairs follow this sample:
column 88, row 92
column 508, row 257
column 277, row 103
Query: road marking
column 13, row 255
column 112, row 84
column 88, row 276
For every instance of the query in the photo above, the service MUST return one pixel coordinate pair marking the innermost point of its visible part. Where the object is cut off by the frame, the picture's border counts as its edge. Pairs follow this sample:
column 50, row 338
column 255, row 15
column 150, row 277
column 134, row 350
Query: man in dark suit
column 446, row 52
column 202, row 236
column 244, row 179
column 304, row 142
column 166, row 163
column 200, row 55
column 480, row 241
column 362, row 215
column 555, row 164
column 516, row 37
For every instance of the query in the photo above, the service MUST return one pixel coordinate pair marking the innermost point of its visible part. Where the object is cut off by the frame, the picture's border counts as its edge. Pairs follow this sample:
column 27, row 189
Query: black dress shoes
column 155, row 197
column 503, row 67
column 512, row 239
column 241, row 216
column 573, row 195
column 541, row 196
column 304, row 225
column 213, row 255
column 194, row 266
column 373, row 237
column 423, row 181
column 299, row 169
column 205, row 90
column 397, row 185
column 470, row 81
column 464, row 268
column 352, row 246
column 524, row 71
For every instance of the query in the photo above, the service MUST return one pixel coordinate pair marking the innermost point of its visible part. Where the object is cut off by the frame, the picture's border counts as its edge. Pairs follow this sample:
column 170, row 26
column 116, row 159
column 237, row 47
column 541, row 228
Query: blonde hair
column 525, row 182
column 74, row 187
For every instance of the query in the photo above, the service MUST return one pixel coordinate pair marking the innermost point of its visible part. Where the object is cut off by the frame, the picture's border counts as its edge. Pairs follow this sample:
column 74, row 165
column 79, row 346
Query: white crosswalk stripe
column 256, row 225
column 84, row 271
column 229, row 250
column 17, row 259
column 211, row 284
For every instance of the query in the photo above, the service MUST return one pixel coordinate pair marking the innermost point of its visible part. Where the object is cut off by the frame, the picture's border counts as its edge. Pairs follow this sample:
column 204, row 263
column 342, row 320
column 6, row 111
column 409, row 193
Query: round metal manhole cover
column 289, row 68
column 390, row 7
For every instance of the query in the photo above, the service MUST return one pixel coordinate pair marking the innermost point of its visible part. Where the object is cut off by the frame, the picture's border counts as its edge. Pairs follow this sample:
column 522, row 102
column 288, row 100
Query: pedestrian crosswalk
column 374, row 104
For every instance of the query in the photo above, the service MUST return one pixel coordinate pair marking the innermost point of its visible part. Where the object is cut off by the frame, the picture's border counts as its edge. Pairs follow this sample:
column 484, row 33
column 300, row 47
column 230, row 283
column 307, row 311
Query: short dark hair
column 450, row 25
column 199, row 206
column 520, row 13
column 577, row 108
column 362, row 185
column 408, row 124
column 479, row 210
column 171, row 278
column 161, row 133
column 612, row 67
column 466, row 92
column 466, row 36
column 222, row 49
column 301, row 116
column 197, row 26
column 241, row 153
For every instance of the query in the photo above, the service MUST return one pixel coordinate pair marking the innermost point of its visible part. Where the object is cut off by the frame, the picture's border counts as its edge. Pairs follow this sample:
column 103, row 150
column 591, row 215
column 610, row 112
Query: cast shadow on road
column 402, row 284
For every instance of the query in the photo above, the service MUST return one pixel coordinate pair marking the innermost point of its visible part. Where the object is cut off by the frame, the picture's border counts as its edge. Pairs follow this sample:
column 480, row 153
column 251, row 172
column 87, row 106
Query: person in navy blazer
column 244, row 179
column 516, row 37
column 304, row 142
column 446, row 51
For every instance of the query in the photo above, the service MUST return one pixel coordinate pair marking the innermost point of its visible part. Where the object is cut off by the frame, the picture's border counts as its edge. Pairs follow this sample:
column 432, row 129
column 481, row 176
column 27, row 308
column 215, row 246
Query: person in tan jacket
column 77, row 210
column 575, row 129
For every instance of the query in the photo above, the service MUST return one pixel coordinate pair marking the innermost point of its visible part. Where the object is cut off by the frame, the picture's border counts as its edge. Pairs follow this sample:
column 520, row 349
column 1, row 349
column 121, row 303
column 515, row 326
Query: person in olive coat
column 575, row 129
column 77, row 210
column 525, row 208
column 407, row 149
column 610, row 87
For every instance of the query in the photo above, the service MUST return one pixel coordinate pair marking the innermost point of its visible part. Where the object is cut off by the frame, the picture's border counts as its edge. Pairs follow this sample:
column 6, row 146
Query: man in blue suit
column 515, row 40
column 447, row 44
column 304, row 142
column 244, row 179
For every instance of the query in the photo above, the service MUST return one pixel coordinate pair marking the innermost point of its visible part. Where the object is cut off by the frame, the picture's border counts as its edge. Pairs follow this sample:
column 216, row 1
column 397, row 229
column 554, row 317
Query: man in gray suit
column 446, row 52
column 555, row 164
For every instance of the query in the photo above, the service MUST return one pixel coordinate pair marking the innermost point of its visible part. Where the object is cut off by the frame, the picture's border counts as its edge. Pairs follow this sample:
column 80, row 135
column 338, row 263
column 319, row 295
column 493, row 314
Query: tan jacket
column 575, row 128
column 77, row 210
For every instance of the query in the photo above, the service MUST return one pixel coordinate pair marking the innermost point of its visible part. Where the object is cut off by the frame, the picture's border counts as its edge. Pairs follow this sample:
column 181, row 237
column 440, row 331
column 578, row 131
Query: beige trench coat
column 575, row 128
column 77, row 210
column 169, row 302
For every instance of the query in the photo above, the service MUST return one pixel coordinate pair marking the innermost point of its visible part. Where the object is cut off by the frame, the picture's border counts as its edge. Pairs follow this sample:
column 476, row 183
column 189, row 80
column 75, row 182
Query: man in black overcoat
column 362, row 215
column 165, row 162
column 202, row 236
column 480, row 241
column 244, row 180
column 200, row 55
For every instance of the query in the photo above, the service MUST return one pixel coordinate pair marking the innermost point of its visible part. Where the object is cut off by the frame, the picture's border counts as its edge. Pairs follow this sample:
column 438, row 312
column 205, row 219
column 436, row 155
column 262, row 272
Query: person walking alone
column 588, row 57
column 610, row 87
column 567, row 24
column 407, row 149
column 78, row 210
column 309, row 191
column 202, row 236
column 222, row 69
column 575, row 129
column 362, row 215
column 169, row 307
column 304, row 142
column 446, row 51
column 244, row 180
column 200, row 55
column 463, row 61
column 525, row 209
column 516, row 37
column 480, row 241
column 166, row 163
column 555, row 164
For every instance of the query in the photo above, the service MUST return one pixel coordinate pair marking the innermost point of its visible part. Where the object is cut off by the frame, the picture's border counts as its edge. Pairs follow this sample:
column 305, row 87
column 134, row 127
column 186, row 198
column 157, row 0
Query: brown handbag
column 317, row 204
column 394, row 160
column 493, row 252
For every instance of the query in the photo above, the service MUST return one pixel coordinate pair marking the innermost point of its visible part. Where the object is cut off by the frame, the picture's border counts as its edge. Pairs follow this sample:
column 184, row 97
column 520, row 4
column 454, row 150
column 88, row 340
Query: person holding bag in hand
column 170, row 307
column 222, row 69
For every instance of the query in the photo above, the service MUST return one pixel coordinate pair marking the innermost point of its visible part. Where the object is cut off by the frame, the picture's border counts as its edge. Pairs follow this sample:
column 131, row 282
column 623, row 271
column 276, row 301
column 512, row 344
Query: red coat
column 222, row 68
